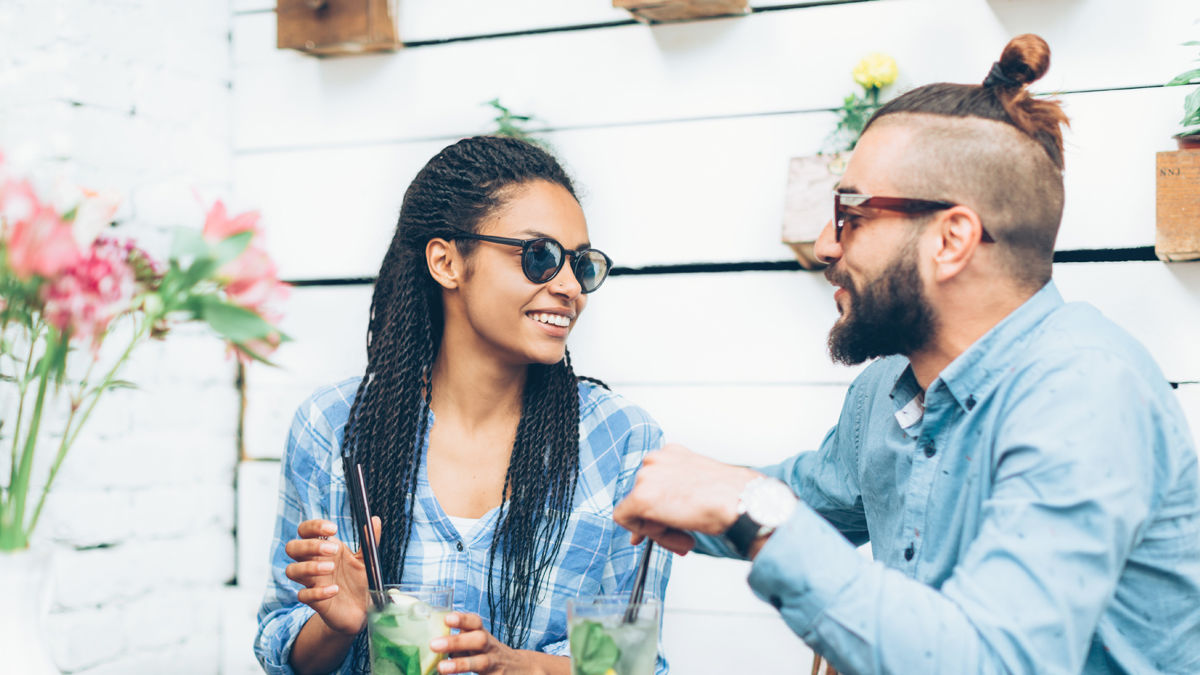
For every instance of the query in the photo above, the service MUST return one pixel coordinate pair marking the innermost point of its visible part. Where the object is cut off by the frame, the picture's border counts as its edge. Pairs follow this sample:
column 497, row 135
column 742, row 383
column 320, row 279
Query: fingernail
column 329, row 549
column 452, row 619
column 446, row 666
column 332, row 589
column 438, row 644
column 325, row 567
column 329, row 528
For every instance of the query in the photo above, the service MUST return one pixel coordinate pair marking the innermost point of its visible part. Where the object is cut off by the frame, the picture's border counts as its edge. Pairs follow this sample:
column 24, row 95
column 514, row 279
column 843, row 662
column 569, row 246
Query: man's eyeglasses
column 543, row 257
column 851, row 204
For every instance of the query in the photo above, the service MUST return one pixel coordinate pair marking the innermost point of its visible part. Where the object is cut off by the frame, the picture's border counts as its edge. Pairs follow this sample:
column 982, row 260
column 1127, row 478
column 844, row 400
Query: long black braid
column 389, row 417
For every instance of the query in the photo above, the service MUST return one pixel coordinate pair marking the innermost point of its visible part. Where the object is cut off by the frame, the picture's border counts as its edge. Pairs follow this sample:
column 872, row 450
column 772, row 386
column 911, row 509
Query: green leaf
column 232, row 246
column 120, row 384
column 1185, row 78
column 593, row 651
column 406, row 658
column 1191, row 109
column 237, row 324
column 188, row 243
column 200, row 270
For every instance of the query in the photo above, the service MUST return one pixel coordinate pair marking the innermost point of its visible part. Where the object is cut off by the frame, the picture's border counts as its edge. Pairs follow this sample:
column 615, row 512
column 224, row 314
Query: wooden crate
column 659, row 11
column 809, row 203
column 336, row 27
column 1178, row 205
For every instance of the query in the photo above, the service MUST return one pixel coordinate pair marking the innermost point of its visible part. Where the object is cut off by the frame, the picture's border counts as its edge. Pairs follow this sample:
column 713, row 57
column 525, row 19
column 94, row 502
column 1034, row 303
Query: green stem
column 22, row 389
column 12, row 533
column 69, row 435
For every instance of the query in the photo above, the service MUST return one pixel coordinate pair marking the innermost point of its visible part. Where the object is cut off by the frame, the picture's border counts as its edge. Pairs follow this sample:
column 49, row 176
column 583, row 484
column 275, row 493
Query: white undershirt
column 463, row 525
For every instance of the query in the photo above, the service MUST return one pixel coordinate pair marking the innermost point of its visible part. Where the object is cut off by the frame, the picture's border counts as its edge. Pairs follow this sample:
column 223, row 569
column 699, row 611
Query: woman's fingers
column 479, row 663
column 306, row 572
column 469, row 641
column 311, row 529
column 316, row 594
column 464, row 621
column 301, row 549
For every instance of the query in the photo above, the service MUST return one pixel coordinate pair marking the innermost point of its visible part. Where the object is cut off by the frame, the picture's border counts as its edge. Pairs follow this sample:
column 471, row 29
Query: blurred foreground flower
column 63, row 288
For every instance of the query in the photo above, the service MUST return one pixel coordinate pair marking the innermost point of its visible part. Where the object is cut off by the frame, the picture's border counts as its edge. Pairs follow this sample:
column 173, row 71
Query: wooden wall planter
column 808, row 204
column 1178, row 205
column 681, row 10
column 336, row 27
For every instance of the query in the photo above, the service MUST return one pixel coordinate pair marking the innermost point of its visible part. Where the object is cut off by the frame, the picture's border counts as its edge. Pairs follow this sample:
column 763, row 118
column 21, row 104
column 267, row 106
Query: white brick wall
column 134, row 96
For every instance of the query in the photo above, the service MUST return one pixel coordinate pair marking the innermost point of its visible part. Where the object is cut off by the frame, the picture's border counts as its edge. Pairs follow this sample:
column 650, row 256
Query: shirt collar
column 972, row 375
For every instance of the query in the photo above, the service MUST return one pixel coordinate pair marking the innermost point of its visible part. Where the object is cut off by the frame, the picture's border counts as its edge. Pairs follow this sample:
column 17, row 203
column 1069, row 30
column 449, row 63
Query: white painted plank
column 763, row 62
column 257, row 502
column 703, row 191
column 708, row 643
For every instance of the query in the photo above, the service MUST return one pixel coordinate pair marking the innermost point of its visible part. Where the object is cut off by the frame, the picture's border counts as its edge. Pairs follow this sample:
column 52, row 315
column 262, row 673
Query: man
column 1020, row 465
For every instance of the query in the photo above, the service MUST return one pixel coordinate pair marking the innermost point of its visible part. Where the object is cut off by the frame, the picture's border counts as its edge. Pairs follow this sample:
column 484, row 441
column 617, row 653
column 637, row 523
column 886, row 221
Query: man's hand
column 678, row 491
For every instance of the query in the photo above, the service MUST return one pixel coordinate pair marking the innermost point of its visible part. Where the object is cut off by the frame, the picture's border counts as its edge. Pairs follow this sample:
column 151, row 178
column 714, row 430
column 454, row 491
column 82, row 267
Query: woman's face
column 525, row 322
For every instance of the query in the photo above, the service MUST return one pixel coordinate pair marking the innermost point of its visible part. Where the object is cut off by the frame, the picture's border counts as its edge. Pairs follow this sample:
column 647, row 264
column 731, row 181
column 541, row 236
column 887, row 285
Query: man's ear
column 445, row 262
column 960, row 230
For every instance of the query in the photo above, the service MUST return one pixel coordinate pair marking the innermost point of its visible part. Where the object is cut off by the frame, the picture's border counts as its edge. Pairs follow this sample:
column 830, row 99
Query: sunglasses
column 542, row 259
column 853, row 204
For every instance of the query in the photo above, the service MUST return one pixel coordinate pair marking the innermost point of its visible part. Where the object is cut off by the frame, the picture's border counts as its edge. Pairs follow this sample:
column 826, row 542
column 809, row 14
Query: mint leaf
column 593, row 651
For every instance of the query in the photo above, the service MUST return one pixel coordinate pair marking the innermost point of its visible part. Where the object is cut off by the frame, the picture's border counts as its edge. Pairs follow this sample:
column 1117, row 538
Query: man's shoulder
column 1078, row 335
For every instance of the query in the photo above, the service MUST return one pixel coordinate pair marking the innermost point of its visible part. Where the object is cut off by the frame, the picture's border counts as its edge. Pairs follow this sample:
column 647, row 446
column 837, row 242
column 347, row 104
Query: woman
column 493, row 468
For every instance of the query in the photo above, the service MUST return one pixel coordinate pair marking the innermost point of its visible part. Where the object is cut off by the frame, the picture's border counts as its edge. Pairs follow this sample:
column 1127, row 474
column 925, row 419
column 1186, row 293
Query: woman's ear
column 444, row 261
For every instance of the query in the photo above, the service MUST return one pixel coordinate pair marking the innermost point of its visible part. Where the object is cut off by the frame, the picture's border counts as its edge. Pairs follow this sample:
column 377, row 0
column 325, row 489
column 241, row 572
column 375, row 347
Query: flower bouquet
column 67, row 289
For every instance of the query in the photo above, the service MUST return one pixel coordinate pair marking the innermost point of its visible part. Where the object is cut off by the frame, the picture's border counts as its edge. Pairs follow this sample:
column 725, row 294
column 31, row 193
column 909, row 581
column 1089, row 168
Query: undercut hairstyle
column 390, row 418
column 995, row 148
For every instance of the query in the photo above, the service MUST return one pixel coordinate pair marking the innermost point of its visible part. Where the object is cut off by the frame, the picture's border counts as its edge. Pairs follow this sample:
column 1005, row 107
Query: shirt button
column 776, row 601
column 459, row 546
column 971, row 402
column 930, row 451
column 909, row 552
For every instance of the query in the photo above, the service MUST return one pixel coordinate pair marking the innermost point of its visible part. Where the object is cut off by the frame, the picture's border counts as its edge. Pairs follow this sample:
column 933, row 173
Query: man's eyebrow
column 846, row 189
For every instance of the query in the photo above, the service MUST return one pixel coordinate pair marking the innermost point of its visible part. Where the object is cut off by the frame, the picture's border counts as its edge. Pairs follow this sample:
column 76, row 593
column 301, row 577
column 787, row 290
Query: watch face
column 769, row 502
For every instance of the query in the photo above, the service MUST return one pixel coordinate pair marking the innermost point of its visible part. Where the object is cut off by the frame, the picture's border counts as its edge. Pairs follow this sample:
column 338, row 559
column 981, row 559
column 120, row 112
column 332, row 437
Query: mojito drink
column 400, row 630
column 602, row 643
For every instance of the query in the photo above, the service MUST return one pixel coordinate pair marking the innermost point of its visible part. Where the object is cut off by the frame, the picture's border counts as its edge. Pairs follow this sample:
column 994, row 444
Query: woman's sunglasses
column 543, row 257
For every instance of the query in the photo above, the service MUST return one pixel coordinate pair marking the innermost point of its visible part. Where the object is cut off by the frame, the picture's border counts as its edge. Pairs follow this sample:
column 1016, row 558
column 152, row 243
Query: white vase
column 23, row 645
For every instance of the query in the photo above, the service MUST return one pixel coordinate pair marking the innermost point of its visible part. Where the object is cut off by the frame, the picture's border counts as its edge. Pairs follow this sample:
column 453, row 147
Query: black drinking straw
column 639, row 584
column 358, row 494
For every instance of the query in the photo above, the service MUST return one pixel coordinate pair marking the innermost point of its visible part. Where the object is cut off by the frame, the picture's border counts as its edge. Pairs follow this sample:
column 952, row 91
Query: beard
column 888, row 315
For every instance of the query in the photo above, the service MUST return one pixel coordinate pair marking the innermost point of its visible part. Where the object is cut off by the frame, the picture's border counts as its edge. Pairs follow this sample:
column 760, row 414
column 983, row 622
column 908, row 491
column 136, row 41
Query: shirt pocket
column 584, row 554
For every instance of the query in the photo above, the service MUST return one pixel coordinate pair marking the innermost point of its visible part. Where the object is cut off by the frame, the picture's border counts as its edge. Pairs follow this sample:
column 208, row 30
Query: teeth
column 552, row 319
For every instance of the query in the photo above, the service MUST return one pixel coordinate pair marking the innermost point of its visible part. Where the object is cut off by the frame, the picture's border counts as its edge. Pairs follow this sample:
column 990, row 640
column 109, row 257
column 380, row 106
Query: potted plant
column 74, row 305
column 811, row 179
column 1177, row 203
column 1189, row 137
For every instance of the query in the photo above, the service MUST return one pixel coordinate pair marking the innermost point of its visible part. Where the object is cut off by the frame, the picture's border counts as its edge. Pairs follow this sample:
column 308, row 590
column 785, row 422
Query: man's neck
column 961, row 322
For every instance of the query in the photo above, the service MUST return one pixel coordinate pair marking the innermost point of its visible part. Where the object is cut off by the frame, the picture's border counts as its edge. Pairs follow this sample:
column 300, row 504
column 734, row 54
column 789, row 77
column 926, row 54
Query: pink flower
column 91, row 292
column 39, row 242
column 218, row 225
column 252, row 279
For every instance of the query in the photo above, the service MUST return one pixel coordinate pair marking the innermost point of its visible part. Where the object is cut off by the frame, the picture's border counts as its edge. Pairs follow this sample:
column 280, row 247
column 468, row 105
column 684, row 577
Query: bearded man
column 1019, row 464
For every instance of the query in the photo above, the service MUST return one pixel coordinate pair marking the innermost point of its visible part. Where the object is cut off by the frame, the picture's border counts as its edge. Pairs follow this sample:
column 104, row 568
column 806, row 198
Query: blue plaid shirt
column 596, row 556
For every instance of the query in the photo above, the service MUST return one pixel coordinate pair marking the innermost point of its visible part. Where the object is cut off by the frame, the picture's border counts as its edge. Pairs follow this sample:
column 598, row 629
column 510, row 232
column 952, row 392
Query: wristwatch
column 765, row 504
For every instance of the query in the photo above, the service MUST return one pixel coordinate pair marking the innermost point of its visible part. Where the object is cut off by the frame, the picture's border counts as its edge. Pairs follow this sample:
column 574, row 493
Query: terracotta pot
column 1188, row 141
column 23, row 643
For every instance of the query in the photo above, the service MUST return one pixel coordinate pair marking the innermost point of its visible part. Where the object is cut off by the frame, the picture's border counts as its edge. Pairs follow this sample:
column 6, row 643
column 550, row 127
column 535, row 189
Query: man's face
column 881, row 295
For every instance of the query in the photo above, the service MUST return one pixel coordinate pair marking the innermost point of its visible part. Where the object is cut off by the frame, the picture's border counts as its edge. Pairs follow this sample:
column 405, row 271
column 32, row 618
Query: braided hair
column 389, row 418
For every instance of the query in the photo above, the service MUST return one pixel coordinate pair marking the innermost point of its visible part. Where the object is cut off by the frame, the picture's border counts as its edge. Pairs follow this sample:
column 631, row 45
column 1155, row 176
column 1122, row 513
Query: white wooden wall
column 679, row 136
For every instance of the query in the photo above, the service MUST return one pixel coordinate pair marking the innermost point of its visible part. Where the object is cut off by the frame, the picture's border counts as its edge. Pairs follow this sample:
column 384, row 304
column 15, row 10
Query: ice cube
column 420, row 611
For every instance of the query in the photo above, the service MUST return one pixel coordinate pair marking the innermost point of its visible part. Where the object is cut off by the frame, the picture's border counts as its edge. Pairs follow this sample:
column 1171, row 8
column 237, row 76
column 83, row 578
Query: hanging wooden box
column 659, row 11
column 809, row 203
column 1178, row 205
column 335, row 27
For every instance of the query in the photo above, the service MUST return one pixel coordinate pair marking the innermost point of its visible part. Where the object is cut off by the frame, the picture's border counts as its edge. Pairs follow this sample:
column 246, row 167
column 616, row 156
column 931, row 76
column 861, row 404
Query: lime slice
column 429, row 658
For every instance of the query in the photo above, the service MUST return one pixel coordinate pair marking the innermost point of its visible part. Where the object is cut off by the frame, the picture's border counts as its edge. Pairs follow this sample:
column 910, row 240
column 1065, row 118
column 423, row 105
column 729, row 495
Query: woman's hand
column 474, row 650
column 334, row 578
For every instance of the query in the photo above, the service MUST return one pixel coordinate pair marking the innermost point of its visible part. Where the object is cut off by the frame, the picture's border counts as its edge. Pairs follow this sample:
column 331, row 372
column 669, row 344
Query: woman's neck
column 473, row 389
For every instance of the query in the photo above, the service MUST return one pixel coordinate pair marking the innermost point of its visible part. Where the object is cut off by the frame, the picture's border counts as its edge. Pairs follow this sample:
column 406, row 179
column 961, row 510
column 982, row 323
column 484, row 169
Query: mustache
column 836, row 276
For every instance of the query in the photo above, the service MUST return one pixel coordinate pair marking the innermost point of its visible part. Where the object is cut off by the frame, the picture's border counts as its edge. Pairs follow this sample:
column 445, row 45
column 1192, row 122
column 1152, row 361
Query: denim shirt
column 595, row 558
column 1038, row 511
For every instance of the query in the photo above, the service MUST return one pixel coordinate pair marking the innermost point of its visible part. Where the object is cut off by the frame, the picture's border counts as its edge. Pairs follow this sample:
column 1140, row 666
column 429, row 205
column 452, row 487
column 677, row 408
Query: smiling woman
column 493, row 467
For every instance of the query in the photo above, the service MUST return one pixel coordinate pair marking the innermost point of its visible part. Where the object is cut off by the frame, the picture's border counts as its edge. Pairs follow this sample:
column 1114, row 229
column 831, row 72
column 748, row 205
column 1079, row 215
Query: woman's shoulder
column 327, row 409
column 602, row 410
